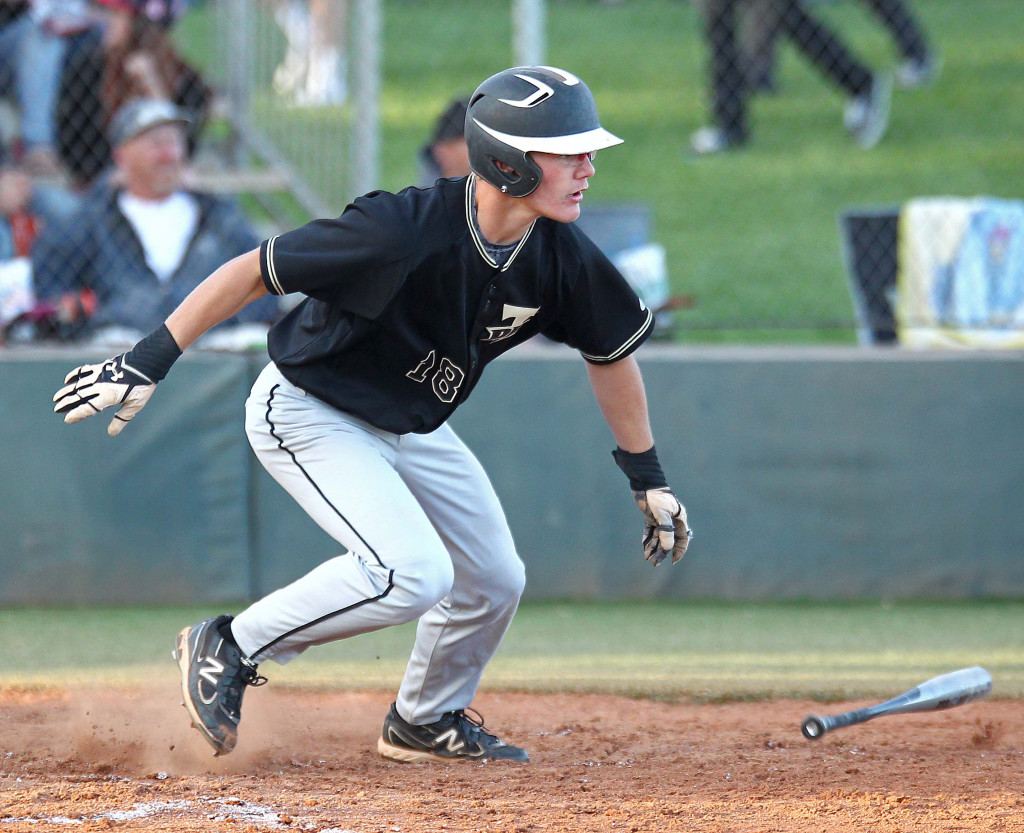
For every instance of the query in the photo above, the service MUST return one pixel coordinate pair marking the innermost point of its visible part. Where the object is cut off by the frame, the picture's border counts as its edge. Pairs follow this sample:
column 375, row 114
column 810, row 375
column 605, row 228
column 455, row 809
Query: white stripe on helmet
column 568, row 78
column 542, row 93
column 589, row 140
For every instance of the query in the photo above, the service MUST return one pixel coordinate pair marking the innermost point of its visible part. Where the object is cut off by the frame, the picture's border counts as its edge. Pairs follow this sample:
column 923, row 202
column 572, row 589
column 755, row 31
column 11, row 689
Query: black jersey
column 405, row 307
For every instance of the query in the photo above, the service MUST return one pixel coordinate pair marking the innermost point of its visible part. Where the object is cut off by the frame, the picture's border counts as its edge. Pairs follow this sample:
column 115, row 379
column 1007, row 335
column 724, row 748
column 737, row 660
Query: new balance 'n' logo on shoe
column 456, row 736
column 214, row 675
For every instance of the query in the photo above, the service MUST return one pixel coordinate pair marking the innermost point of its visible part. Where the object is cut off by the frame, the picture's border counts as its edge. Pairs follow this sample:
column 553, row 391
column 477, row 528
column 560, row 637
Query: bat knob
column 813, row 727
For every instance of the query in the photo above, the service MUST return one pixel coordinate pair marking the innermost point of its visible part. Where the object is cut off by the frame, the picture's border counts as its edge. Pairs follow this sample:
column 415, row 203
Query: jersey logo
column 518, row 315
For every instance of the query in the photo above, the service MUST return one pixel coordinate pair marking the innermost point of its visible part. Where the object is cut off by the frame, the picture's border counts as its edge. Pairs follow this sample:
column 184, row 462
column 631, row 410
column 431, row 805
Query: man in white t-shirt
column 141, row 241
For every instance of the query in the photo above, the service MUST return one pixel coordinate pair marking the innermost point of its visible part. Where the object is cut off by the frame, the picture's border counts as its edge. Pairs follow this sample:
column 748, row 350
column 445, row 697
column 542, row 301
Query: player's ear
column 506, row 169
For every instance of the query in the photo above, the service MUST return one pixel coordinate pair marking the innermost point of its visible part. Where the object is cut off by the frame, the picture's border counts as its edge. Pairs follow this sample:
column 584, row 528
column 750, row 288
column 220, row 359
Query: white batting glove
column 666, row 530
column 92, row 388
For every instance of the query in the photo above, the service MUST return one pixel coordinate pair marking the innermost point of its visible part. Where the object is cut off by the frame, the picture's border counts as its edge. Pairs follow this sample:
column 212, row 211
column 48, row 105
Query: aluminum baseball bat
column 942, row 692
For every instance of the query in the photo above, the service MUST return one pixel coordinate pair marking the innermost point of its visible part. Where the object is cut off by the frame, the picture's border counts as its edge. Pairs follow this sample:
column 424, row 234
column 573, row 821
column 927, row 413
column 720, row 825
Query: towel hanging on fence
column 961, row 273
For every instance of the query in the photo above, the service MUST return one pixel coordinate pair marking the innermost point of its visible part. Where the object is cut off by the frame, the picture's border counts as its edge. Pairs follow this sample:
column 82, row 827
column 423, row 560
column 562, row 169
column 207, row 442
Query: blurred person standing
column 757, row 29
column 920, row 62
column 19, row 227
column 869, row 93
column 140, row 241
column 314, row 70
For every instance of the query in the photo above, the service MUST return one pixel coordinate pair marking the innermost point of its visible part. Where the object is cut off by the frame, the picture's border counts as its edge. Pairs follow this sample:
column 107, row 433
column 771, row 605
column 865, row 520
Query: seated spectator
column 131, row 56
column 139, row 240
column 27, row 206
column 446, row 155
column 33, row 43
column 142, row 62
column 18, row 230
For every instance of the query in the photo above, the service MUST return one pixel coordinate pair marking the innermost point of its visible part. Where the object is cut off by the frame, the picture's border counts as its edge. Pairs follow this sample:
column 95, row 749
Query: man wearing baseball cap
column 141, row 241
column 142, row 114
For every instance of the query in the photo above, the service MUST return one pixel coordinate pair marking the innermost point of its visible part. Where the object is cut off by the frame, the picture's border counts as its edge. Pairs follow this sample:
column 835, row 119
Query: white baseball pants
column 426, row 537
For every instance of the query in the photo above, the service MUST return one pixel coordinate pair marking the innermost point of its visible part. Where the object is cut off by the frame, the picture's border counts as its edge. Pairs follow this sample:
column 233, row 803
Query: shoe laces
column 472, row 725
column 234, row 686
column 250, row 674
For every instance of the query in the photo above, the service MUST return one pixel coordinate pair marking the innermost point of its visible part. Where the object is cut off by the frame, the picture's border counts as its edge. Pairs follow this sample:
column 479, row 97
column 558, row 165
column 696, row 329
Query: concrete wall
column 808, row 473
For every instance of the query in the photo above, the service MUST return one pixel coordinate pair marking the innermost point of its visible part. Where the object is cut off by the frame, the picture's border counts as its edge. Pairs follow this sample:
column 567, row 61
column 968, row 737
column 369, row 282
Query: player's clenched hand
column 92, row 388
column 666, row 531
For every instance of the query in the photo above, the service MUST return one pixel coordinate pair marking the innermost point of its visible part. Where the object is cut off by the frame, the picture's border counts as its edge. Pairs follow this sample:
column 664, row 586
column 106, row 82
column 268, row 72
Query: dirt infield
column 306, row 761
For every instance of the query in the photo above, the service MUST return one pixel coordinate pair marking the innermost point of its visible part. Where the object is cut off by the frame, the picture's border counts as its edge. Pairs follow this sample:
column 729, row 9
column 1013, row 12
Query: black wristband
column 643, row 469
column 154, row 355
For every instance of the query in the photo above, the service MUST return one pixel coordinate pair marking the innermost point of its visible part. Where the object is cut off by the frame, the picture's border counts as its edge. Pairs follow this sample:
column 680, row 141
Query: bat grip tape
column 848, row 718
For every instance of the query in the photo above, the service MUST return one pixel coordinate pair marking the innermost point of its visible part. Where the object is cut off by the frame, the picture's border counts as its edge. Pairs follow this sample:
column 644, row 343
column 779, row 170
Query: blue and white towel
column 961, row 273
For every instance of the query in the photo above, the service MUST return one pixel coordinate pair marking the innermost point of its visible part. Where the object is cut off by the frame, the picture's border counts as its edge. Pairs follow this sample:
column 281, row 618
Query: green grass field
column 752, row 235
column 663, row 650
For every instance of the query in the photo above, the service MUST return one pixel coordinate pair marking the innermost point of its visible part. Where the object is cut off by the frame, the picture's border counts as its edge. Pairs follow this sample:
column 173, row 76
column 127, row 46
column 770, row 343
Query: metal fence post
column 238, row 74
column 528, row 32
column 364, row 150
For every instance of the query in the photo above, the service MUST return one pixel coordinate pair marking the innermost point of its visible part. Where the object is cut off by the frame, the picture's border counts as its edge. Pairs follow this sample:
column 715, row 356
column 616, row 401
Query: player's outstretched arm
column 128, row 381
column 619, row 390
column 231, row 288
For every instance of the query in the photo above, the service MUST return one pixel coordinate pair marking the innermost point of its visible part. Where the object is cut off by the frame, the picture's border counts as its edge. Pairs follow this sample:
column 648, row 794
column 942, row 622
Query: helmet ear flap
column 485, row 152
column 521, row 181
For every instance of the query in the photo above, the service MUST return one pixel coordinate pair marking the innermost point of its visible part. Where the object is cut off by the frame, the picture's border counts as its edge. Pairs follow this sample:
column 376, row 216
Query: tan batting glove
column 92, row 388
column 666, row 530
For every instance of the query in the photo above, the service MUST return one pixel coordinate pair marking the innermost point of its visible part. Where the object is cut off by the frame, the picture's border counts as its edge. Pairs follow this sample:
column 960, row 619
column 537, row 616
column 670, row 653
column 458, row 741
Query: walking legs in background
column 313, row 71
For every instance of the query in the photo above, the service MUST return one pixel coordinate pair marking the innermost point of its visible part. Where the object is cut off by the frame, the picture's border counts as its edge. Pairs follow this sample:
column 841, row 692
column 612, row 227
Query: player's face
column 561, row 188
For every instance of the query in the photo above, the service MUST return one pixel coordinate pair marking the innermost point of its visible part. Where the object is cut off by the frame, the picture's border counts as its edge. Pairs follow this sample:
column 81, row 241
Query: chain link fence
column 930, row 272
column 116, row 204
column 284, row 72
column 283, row 109
column 938, row 272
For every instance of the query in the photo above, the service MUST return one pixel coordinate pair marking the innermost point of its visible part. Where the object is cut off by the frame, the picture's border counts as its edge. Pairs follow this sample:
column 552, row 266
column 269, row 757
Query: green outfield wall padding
column 808, row 473
column 157, row 514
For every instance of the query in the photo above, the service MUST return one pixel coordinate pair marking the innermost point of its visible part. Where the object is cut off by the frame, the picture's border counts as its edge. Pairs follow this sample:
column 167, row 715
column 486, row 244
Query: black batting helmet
column 527, row 109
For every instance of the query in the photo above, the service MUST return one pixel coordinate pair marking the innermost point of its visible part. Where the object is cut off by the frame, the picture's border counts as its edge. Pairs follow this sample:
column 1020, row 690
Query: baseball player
column 408, row 297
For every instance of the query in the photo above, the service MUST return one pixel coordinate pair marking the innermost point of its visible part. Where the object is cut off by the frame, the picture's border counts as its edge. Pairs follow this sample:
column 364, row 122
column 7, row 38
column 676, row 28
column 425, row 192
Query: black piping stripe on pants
column 319, row 491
